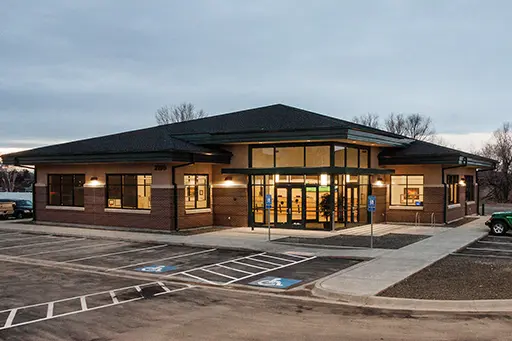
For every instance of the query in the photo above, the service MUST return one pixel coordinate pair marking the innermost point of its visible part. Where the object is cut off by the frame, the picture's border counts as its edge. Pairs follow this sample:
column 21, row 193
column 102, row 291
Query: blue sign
column 156, row 268
column 275, row 282
column 372, row 203
column 268, row 201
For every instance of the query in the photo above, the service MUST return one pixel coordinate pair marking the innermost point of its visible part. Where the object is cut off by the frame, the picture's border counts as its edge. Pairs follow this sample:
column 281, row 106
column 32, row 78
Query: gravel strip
column 458, row 278
column 388, row 241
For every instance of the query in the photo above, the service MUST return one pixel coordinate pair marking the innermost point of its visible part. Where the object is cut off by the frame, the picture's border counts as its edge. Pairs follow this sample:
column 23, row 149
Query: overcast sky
column 76, row 69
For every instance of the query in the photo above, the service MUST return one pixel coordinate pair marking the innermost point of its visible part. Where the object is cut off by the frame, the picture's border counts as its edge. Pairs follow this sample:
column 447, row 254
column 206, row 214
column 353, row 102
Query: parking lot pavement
column 489, row 247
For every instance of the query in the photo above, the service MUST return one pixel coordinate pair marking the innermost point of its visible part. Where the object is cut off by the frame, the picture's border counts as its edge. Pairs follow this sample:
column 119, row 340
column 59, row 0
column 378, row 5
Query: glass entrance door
column 289, row 206
column 352, row 204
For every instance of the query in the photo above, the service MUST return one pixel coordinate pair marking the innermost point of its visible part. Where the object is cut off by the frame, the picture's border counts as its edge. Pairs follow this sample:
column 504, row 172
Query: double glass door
column 289, row 206
column 352, row 204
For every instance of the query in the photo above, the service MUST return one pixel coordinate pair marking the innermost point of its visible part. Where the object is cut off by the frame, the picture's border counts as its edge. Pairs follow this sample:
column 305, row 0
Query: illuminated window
column 130, row 191
column 406, row 190
column 453, row 189
column 197, row 191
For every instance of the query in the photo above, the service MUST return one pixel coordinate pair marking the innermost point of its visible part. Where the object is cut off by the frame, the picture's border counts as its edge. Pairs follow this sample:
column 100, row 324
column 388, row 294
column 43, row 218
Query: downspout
column 175, row 185
column 445, row 206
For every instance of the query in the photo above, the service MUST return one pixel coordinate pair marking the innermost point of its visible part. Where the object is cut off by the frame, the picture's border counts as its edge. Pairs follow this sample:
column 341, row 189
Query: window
column 339, row 156
column 318, row 156
column 290, row 157
column 197, row 191
column 130, row 191
column 406, row 190
column 263, row 157
column 66, row 189
column 453, row 189
column 363, row 158
column 470, row 188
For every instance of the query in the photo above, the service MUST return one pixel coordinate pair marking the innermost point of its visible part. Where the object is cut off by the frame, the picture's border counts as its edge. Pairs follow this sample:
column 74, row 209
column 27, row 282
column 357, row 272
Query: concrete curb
column 391, row 303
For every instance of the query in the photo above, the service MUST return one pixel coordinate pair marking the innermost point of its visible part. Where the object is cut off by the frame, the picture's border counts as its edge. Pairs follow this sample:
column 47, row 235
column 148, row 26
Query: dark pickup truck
column 21, row 208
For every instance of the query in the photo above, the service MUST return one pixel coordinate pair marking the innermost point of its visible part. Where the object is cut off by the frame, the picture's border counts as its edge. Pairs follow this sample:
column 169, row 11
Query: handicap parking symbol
column 157, row 268
column 275, row 282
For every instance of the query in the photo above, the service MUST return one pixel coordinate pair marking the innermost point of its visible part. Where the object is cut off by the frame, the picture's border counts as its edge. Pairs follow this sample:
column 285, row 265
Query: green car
column 500, row 222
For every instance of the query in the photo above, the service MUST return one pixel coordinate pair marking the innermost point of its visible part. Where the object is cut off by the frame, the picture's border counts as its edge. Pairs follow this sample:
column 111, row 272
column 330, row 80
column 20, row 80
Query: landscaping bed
column 387, row 241
column 458, row 278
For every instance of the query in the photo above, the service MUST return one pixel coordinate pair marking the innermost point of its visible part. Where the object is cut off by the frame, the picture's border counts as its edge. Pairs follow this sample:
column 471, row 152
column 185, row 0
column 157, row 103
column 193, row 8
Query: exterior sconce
column 228, row 181
column 94, row 182
column 323, row 179
column 379, row 182
column 462, row 182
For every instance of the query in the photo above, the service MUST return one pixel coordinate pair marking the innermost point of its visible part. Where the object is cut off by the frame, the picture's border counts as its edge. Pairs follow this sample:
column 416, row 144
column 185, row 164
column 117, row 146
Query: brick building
column 217, row 171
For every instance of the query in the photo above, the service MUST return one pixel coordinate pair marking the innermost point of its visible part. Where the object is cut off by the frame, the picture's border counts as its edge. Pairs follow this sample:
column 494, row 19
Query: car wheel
column 498, row 228
column 19, row 215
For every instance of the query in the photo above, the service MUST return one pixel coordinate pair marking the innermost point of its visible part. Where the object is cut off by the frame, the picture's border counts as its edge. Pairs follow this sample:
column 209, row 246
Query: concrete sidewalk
column 369, row 278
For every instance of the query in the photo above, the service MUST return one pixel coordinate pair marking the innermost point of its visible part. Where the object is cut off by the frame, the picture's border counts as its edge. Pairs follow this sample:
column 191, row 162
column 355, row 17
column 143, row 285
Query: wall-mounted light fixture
column 379, row 182
column 323, row 180
column 462, row 182
column 94, row 182
column 228, row 180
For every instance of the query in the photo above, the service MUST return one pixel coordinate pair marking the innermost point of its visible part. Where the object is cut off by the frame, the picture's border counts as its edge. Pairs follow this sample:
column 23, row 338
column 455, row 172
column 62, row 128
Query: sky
column 76, row 69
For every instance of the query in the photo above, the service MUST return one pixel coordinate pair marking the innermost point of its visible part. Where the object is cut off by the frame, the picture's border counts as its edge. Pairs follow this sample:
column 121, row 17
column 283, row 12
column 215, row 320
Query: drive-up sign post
column 372, row 203
column 268, row 206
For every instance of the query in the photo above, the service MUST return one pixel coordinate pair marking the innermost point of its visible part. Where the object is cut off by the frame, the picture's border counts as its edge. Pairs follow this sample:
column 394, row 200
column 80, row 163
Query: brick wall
column 459, row 211
column 381, row 195
column 189, row 220
column 230, row 206
column 433, row 203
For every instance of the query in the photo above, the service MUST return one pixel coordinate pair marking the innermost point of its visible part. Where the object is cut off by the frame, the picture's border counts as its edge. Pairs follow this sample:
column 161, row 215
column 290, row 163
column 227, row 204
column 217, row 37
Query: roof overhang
column 312, row 170
column 453, row 159
column 174, row 156
column 295, row 135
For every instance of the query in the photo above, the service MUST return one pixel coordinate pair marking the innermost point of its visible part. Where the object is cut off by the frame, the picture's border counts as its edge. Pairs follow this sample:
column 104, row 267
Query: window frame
column 406, row 187
column 136, row 185
column 208, row 201
column 73, row 204
column 452, row 180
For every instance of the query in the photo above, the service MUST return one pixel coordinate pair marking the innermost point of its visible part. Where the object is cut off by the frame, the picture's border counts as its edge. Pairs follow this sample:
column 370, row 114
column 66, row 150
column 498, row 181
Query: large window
column 66, row 189
column 263, row 157
column 318, row 156
column 197, row 191
column 470, row 188
column 453, row 189
column 406, row 190
column 289, row 156
column 130, row 191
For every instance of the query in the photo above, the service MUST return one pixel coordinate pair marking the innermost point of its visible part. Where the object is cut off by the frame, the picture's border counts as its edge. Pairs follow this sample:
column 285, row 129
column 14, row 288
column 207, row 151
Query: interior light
column 323, row 179
column 276, row 178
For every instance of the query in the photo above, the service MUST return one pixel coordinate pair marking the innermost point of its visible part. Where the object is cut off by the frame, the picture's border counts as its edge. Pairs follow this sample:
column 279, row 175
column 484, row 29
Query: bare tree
column 369, row 120
column 14, row 179
column 498, row 183
column 415, row 126
column 178, row 113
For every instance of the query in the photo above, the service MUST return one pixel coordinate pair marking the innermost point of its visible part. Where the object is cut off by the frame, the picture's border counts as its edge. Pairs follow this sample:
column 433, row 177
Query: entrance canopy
column 307, row 170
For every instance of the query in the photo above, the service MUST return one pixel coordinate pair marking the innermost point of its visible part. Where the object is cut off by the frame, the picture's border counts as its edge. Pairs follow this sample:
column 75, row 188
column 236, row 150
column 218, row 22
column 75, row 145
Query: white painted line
column 24, row 238
column 161, row 259
column 218, row 274
column 486, row 249
column 138, row 288
column 283, row 259
column 269, row 270
column 113, row 296
column 9, row 233
column 491, row 242
column 70, row 248
column 10, row 318
column 254, row 266
column 264, row 261
column 114, row 253
column 49, row 311
column 164, row 287
column 45, row 243
column 480, row 256
column 230, row 268
column 298, row 255
column 83, row 303
column 80, row 311
column 199, row 278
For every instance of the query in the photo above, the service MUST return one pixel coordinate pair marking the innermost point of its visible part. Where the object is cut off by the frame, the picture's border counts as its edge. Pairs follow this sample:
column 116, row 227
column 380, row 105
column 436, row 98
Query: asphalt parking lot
column 47, row 277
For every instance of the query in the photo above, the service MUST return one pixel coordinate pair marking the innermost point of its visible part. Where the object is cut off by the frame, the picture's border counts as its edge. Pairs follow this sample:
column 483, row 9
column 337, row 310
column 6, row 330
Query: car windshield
column 23, row 202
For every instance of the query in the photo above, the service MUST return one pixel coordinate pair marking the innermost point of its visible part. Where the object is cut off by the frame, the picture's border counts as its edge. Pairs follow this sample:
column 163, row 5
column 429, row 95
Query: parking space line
column 283, row 259
column 49, row 311
column 114, row 298
column 12, row 312
column 166, row 289
column 218, row 274
column 254, row 266
column 45, row 243
column 264, row 261
column 161, row 259
column 295, row 255
column 68, row 249
column 114, row 253
column 486, row 249
column 491, row 242
column 198, row 278
column 10, row 318
column 480, row 256
column 269, row 270
column 24, row 238
column 230, row 268
column 9, row 233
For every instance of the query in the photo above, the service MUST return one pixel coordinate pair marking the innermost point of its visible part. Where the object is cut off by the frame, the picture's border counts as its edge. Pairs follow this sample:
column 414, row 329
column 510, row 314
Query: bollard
column 483, row 209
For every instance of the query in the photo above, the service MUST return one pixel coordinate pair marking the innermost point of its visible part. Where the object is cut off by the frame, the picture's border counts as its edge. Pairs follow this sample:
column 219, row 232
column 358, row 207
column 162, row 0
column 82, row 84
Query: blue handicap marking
column 372, row 203
column 275, row 282
column 268, row 201
column 156, row 268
